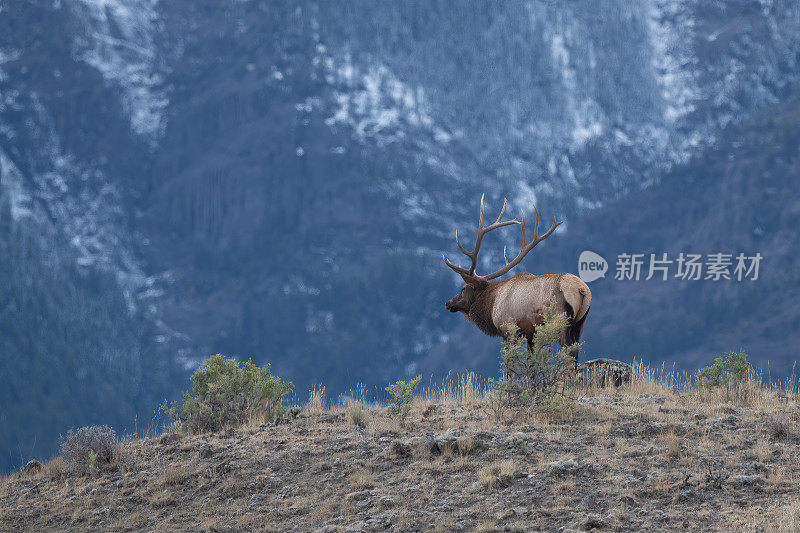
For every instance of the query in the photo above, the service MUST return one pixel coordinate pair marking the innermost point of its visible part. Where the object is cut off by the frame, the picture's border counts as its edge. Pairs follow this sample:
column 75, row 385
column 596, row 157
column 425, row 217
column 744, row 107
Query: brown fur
column 521, row 300
column 480, row 312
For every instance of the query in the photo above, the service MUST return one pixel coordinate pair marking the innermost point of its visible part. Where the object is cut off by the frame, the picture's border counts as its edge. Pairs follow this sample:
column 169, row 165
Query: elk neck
column 480, row 313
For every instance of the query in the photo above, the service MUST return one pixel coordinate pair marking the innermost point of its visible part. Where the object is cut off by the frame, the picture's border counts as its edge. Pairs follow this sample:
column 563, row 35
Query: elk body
column 521, row 299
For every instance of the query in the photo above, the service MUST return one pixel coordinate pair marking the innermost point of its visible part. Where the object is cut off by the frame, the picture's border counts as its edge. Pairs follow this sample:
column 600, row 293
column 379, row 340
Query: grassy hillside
column 652, row 455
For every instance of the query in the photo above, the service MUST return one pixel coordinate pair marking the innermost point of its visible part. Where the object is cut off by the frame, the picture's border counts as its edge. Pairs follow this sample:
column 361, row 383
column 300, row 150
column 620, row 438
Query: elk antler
column 526, row 246
column 473, row 255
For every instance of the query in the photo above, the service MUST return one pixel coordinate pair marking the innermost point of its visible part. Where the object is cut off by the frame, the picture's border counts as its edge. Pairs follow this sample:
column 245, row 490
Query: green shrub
column 711, row 376
column 531, row 375
column 403, row 394
column 728, row 373
column 227, row 393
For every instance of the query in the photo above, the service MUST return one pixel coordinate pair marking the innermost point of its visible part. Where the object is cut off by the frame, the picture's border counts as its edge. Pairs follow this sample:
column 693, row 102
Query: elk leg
column 507, row 338
column 567, row 341
column 504, row 367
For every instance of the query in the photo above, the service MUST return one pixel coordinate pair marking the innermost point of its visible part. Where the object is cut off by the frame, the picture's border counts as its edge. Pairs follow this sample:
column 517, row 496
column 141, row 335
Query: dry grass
column 672, row 445
column 162, row 498
column 361, row 478
column 782, row 517
column 210, row 523
column 359, row 416
column 55, row 468
column 444, row 525
column 467, row 390
column 495, row 472
column 174, row 475
column 315, row 405
column 763, row 450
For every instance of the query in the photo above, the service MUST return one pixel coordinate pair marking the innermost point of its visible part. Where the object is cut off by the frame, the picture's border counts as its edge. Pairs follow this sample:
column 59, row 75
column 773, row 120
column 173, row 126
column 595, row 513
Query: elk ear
column 474, row 281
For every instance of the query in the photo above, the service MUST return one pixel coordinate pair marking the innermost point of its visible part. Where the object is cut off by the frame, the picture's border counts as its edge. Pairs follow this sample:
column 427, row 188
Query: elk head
column 466, row 296
column 474, row 284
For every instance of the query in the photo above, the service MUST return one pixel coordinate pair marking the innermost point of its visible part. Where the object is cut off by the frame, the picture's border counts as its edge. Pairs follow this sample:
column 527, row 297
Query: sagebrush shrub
column 533, row 374
column 228, row 393
column 89, row 448
column 727, row 372
column 402, row 395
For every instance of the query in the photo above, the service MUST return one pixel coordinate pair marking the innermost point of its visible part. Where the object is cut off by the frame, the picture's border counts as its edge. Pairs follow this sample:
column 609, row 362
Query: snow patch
column 671, row 32
column 561, row 59
column 587, row 116
column 122, row 47
column 5, row 57
column 12, row 184
column 77, row 201
column 526, row 196
column 375, row 103
column 588, row 121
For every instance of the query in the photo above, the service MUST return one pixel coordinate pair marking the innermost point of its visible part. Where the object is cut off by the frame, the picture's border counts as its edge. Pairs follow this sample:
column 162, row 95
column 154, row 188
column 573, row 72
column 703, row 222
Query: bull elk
column 522, row 298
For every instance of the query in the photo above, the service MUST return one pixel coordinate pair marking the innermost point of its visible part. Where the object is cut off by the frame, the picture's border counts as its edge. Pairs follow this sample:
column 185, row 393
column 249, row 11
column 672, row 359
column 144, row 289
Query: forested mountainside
column 278, row 180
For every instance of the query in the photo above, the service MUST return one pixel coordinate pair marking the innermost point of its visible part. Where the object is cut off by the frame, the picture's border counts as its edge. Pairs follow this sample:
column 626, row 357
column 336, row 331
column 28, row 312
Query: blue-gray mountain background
column 278, row 180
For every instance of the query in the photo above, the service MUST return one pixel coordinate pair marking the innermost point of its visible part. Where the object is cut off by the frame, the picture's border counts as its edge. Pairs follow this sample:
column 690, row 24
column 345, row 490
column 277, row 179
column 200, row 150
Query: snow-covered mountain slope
column 573, row 106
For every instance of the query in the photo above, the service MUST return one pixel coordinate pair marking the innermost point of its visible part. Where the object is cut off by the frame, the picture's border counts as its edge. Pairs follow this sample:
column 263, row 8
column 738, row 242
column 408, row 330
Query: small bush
column 728, row 373
column 403, row 394
column 712, row 375
column 533, row 376
column 555, row 407
column 89, row 448
column 227, row 393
